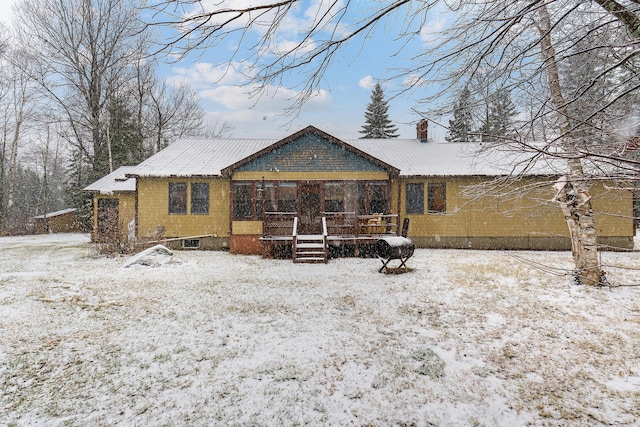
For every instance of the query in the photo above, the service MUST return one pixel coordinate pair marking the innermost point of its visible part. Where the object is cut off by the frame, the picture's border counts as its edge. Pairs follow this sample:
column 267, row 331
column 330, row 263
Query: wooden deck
column 347, row 234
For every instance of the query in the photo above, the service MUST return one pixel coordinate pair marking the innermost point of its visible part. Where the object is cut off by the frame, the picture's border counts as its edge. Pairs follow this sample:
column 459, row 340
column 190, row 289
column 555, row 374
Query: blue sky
column 344, row 93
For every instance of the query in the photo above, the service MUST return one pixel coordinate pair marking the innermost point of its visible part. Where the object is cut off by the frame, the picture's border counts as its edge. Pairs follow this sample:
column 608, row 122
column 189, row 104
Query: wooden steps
column 310, row 248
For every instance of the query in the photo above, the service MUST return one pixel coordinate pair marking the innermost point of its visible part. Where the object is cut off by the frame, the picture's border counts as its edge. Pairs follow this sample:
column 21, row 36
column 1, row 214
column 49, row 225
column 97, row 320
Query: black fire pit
column 394, row 247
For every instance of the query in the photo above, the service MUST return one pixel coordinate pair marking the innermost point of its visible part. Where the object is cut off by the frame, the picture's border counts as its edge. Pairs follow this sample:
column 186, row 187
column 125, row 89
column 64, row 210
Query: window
column 191, row 243
column 177, row 198
column 378, row 198
column 366, row 197
column 287, row 197
column 199, row 198
column 437, row 197
column 415, row 198
column 334, row 197
column 242, row 199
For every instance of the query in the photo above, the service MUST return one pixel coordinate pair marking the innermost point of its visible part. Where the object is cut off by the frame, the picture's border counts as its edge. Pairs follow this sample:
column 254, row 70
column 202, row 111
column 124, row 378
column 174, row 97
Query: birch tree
column 522, row 45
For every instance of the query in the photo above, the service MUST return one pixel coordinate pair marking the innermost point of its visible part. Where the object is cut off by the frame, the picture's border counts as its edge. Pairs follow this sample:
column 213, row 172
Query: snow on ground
column 467, row 338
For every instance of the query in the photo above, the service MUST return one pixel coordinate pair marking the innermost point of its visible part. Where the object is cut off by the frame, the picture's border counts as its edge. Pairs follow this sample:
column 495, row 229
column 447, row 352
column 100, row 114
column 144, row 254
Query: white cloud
column 6, row 13
column 291, row 30
column 228, row 96
column 414, row 79
column 271, row 100
column 367, row 82
column 204, row 74
column 284, row 46
column 262, row 117
column 433, row 31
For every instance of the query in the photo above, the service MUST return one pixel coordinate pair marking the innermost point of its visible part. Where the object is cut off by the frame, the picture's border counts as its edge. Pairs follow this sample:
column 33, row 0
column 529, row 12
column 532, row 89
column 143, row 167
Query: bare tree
column 174, row 113
column 86, row 49
column 4, row 120
column 520, row 46
column 19, row 110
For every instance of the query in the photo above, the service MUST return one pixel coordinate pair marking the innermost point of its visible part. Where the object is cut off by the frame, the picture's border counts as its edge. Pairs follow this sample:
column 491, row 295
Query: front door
column 310, row 208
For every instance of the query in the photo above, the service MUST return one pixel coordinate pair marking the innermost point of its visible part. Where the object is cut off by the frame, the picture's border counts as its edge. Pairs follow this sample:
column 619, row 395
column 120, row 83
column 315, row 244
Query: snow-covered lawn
column 468, row 338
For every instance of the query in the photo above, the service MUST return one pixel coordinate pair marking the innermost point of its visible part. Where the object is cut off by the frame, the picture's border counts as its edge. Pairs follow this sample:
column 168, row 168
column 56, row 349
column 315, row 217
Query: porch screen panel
column 378, row 195
column 177, row 198
column 200, row 198
column 287, row 192
column 334, row 197
column 242, row 200
column 362, row 198
column 351, row 196
column 266, row 198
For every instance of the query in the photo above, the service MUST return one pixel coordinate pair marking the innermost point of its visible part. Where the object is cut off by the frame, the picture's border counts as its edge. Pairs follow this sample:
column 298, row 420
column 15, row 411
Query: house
column 248, row 196
column 62, row 221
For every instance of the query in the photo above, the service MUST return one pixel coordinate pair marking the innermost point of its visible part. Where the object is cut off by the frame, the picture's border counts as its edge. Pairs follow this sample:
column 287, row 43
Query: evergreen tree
column 498, row 120
column 461, row 126
column 377, row 122
column 124, row 134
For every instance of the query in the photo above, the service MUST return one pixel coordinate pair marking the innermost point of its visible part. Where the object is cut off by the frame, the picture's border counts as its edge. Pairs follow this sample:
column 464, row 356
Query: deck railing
column 338, row 228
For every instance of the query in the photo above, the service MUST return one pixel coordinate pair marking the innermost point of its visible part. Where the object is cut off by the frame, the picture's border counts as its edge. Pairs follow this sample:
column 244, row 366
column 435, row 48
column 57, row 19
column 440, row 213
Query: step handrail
column 294, row 235
column 324, row 238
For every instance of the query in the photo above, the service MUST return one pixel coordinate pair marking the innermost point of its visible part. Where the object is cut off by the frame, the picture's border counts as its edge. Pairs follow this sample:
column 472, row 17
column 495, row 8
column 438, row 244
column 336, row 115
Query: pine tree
column 377, row 122
column 461, row 126
column 498, row 121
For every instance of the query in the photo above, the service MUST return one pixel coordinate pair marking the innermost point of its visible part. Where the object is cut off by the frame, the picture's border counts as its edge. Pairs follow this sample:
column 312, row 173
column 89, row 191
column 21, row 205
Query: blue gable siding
column 310, row 153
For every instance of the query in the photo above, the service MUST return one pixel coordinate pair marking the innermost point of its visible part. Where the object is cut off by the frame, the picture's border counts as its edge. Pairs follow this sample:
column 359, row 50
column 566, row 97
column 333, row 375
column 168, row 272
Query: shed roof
column 56, row 213
column 116, row 182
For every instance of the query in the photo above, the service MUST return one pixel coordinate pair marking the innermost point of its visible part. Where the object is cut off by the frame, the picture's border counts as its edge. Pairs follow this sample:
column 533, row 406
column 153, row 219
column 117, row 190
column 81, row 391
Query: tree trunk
column 573, row 197
column 13, row 164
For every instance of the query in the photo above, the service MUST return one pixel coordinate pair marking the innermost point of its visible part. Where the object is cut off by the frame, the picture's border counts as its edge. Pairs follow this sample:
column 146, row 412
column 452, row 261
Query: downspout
column 230, row 211
column 399, row 206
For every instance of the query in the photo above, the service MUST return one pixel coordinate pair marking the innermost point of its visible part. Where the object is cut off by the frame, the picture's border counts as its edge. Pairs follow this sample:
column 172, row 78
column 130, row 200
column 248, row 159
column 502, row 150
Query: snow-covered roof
column 116, row 182
column 208, row 157
column 198, row 157
column 56, row 213
column 415, row 158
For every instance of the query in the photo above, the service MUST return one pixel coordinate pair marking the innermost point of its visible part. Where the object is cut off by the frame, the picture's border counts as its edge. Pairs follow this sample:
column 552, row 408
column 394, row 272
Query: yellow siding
column 247, row 227
column 153, row 209
column 127, row 206
column 302, row 176
column 518, row 213
column 614, row 210
column 521, row 213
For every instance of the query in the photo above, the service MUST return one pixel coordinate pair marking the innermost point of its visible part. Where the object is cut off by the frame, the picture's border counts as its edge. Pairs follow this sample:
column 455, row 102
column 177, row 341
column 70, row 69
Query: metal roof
column 209, row 157
column 116, row 182
column 198, row 157
column 56, row 213
column 415, row 158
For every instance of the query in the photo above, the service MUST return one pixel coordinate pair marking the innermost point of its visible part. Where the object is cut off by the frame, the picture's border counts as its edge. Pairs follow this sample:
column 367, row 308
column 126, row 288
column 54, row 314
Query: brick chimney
column 422, row 130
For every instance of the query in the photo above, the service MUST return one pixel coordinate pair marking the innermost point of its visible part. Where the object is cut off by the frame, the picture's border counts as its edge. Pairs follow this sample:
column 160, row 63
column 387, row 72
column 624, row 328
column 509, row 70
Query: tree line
column 80, row 95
